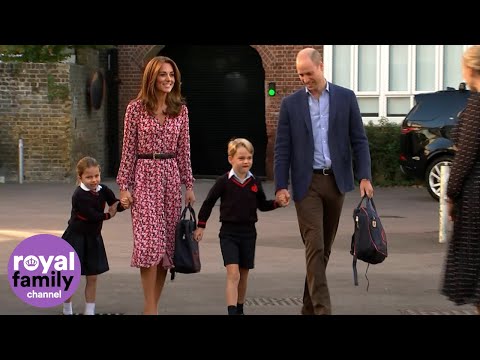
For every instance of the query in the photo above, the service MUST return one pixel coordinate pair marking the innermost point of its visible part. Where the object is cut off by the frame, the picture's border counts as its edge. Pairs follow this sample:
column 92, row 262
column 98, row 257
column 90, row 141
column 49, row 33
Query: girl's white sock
column 67, row 308
column 89, row 309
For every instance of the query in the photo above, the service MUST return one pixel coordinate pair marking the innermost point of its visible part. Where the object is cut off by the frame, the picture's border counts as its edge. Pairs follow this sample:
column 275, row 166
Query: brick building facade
column 46, row 105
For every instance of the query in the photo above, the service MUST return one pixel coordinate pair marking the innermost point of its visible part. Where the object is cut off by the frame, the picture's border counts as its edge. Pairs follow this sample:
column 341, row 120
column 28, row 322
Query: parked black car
column 425, row 135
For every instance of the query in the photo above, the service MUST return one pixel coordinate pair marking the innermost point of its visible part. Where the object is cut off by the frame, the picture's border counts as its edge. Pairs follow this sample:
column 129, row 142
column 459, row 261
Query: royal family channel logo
column 44, row 270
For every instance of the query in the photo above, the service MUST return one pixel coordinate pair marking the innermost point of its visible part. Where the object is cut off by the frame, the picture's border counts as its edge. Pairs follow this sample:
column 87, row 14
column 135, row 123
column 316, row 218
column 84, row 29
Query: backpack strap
column 355, row 274
column 368, row 281
column 361, row 201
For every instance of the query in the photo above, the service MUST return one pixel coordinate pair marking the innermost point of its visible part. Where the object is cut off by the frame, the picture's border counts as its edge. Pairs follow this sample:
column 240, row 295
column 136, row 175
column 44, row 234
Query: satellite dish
column 95, row 90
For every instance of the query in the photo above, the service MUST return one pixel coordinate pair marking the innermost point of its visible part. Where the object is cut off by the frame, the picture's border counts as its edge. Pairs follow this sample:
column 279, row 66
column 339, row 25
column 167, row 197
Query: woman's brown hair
column 148, row 91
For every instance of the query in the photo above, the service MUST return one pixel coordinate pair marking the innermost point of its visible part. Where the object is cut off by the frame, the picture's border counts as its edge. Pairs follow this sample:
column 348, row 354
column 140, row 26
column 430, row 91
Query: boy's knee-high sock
column 240, row 309
column 232, row 310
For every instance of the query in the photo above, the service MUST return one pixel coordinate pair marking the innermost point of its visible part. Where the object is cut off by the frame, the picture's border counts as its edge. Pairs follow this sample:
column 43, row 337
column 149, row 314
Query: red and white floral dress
column 155, row 184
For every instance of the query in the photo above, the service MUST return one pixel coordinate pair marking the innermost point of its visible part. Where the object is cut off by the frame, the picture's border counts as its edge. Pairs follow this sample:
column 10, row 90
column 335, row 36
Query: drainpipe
column 20, row 161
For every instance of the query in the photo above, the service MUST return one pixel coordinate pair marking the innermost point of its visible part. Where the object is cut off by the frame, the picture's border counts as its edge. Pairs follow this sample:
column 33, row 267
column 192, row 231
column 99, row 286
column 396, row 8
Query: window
column 452, row 55
column 368, row 106
column 398, row 68
column 398, row 106
column 385, row 78
column 425, row 67
column 367, row 68
column 342, row 63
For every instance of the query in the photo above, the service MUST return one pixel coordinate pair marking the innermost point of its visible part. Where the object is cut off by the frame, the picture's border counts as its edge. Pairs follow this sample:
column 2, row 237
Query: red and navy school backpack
column 369, row 241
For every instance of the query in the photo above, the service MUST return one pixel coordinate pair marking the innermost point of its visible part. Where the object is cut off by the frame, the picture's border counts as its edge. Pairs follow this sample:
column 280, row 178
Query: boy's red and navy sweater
column 238, row 202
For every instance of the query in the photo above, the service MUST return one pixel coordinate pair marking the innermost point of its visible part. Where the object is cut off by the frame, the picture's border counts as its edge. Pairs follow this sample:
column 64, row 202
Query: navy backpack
column 369, row 241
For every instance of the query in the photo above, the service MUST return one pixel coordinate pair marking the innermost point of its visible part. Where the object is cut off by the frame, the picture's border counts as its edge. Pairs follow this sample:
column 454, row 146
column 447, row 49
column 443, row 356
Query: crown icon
column 31, row 262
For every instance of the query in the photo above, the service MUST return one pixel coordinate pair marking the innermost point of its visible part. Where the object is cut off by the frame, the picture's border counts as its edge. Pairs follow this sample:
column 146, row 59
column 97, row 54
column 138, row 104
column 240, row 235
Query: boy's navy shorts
column 238, row 245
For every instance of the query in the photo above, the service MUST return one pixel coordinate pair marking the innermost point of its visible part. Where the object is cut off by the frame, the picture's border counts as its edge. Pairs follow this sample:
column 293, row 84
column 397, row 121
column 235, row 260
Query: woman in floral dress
column 155, row 162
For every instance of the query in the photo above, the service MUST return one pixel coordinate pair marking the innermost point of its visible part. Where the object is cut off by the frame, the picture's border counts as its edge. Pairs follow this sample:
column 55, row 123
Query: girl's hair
column 148, row 92
column 471, row 58
column 85, row 163
column 234, row 144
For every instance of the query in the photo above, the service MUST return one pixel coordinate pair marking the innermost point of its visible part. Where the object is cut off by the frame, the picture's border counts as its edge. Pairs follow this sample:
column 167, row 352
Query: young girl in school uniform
column 85, row 226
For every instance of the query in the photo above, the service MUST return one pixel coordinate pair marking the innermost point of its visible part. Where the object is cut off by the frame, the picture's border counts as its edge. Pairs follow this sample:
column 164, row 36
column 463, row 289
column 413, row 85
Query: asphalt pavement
column 406, row 283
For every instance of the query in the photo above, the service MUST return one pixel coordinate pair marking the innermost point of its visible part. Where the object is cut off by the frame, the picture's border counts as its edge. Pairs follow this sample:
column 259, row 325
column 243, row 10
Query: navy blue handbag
column 186, row 258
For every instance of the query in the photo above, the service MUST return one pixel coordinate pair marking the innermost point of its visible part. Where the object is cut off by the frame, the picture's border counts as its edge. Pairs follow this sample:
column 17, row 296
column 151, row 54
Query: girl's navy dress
column 85, row 226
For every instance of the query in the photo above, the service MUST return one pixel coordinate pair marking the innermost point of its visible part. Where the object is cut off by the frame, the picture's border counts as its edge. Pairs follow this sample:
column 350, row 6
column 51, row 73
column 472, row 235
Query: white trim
column 379, row 64
column 441, row 65
column 385, row 80
column 438, row 67
column 353, row 56
column 328, row 61
column 413, row 73
column 354, row 75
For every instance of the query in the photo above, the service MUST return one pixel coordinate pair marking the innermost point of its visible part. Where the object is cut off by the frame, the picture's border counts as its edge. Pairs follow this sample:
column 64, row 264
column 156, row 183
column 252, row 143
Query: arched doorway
column 224, row 89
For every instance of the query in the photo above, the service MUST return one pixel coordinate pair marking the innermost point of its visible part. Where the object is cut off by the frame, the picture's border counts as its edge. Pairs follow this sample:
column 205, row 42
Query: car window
column 442, row 107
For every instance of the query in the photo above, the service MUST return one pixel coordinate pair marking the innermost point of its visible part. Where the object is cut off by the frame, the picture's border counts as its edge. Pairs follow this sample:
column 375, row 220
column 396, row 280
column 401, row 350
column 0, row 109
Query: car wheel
column 432, row 175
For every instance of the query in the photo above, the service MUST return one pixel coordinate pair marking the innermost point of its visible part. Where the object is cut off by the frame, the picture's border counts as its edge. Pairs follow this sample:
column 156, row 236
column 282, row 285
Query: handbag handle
column 369, row 200
column 192, row 213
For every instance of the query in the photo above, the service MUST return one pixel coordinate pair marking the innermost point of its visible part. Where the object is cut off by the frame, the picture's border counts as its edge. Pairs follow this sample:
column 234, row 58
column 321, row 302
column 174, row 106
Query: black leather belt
column 323, row 171
column 154, row 156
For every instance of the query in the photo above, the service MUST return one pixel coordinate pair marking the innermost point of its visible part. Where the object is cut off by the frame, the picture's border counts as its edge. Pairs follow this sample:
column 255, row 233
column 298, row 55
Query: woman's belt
column 154, row 156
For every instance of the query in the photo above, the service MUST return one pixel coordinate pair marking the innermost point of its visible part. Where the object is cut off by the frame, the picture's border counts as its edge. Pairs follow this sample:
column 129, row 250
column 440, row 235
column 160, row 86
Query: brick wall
column 46, row 105
column 278, row 63
column 88, row 124
column 131, row 59
column 44, row 125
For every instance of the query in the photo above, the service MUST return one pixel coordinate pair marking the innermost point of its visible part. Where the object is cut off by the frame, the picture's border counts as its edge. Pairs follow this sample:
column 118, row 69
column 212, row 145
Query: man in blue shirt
column 319, row 129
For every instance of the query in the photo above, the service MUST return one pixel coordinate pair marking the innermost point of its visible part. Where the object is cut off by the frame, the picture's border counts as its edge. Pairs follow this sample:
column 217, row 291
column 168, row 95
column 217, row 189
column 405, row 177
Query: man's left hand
column 366, row 188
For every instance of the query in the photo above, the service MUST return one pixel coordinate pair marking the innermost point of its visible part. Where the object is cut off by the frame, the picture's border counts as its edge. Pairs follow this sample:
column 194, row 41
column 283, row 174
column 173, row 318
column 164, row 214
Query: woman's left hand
column 450, row 210
column 189, row 197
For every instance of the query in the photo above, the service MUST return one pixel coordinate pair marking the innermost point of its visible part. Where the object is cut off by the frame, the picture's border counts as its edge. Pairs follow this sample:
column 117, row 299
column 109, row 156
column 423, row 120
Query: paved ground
column 406, row 283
